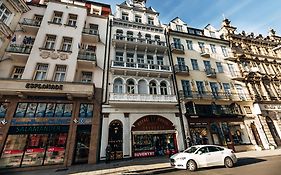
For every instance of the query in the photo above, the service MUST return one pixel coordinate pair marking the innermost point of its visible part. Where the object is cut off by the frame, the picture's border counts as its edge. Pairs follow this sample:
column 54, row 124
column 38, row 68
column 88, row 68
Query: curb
column 151, row 171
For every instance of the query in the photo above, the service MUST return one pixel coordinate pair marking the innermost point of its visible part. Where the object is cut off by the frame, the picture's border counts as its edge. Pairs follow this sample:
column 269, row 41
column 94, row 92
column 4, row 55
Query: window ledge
column 51, row 22
column 42, row 48
column 70, row 26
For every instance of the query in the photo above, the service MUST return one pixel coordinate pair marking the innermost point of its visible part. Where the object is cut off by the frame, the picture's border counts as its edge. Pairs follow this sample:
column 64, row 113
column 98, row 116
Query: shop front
column 153, row 136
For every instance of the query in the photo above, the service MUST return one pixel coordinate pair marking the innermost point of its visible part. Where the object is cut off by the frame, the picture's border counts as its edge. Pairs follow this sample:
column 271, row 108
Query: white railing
column 142, row 98
column 142, row 66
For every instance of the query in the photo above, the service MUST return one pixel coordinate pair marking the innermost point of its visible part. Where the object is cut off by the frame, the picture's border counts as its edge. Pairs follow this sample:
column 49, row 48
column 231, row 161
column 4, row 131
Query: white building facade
column 140, row 117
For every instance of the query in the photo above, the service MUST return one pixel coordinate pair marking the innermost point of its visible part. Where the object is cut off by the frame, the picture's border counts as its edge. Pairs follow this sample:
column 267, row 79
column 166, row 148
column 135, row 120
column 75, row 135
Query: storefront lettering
column 144, row 154
column 43, row 86
column 37, row 129
column 45, row 122
column 272, row 107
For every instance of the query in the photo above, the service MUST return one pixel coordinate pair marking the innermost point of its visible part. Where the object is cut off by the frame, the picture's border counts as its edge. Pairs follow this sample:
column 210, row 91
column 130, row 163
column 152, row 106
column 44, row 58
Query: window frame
column 84, row 78
column 44, row 72
column 60, row 73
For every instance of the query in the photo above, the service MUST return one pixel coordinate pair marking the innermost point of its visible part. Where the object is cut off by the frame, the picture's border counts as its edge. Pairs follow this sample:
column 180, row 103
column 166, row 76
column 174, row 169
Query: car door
column 200, row 157
column 214, row 156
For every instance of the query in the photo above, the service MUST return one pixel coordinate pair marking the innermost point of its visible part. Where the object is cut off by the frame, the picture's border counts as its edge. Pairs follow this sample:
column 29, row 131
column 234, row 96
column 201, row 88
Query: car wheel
column 228, row 163
column 191, row 165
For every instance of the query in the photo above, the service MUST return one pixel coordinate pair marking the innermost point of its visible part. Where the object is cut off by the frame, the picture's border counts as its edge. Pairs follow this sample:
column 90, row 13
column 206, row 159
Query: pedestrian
column 189, row 142
column 108, row 153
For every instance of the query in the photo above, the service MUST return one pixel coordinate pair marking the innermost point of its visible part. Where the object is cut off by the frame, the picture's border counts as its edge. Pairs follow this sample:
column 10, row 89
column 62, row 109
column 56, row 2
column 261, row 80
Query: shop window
column 86, row 110
column 3, row 110
column 31, row 110
column 83, row 137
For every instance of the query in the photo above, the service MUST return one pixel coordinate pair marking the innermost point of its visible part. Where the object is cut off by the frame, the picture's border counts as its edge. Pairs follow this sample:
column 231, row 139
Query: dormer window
column 150, row 20
column 138, row 19
column 179, row 28
column 212, row 34
column 125, row 16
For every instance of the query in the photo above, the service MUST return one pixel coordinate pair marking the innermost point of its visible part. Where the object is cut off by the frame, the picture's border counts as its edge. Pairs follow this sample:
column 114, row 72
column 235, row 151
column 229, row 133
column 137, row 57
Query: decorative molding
column 53, row 55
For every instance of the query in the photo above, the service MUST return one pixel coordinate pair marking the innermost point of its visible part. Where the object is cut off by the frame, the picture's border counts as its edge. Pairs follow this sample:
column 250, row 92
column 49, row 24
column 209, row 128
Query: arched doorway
column 153, row 135
column 256, row 134
column 273, row 131
column 115, row 139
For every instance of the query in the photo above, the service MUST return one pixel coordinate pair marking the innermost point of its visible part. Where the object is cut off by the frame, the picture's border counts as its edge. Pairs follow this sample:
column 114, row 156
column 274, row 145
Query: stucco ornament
column 45, row 54
column 63, row 56
column 54, row 55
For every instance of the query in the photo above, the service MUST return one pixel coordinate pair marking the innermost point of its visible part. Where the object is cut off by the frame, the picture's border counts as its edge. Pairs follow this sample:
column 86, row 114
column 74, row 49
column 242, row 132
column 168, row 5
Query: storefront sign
column 144, row 154
column 270, row 107
column 40, row 121
column 43, row 86
column 153, row 122
column 37, row 129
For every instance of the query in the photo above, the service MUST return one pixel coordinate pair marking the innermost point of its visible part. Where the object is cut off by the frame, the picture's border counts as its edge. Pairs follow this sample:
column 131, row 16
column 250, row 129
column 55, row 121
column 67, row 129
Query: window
column 160, row 60
column 119, row 56
column 119, row 34
column 138, row 19
column 86, row 110
column 72, row 20
column 189, row 45
column 212, row 34
column 181, row 61
column 240, row 91
column 224, row 51
column 186, row 88
column 41, row 72
column 130, row 87
column 231, row 70
column 150, row 59
column 179, row 28
column 215, row 89
column 57, row 17
column 60, row 72
column 94, row 29
column 191, row 31
column 38, row 19
column 248, row 109
column 130, row 36
column 219, row 66
column 130, row 57
column 3, row 109
column 202, row 47
column 50, row 42
column 142, row 87
column 148, row 38
column 150, row 20
column 87, row 77
column 227, row 90
column 213, row 149
column 17, row 72
column 66, row 44
column 177, row 43
column 163, row 88
column 207, row 65
column 31, row 110
column 152, row 88
column 118, row 86
column 140, row 58
column 4, row 13
column 213, row 48
column 194, row 64
column 125, row 16
column 200, row 87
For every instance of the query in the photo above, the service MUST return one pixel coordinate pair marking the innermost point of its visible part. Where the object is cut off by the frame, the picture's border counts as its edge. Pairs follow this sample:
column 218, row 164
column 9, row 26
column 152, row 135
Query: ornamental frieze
column 53, row 55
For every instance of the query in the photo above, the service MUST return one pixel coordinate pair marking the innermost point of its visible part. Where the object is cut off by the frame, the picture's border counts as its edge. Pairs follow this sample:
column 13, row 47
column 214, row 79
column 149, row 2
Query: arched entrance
column 256, row 134
column 115, row 139
column 153, row 135
column 273, row 131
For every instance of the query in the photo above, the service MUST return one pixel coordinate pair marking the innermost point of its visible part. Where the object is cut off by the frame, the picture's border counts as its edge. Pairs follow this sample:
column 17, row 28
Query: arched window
column 152, row 88
column 130, row 36
column 163, row 88
column 142, row 87
column 130, row 86
column 119, row 34
column 118, row 86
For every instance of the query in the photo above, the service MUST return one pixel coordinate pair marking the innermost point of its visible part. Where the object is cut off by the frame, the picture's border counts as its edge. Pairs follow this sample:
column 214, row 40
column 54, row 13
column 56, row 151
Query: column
column 104, row 135
column 127, row 150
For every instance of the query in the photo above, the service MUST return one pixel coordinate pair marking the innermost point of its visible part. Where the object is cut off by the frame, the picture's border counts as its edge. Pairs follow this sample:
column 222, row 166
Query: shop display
column 3, row 109
column 86, row 110
column 83, row 136
column 41, row 108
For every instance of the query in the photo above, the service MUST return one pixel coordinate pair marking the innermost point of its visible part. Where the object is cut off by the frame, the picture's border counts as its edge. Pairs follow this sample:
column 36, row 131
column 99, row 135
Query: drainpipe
column 102, row 102
column 176, row 91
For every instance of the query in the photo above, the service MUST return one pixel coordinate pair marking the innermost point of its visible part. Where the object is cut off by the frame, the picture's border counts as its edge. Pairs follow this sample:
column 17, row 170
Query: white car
column 203, row 156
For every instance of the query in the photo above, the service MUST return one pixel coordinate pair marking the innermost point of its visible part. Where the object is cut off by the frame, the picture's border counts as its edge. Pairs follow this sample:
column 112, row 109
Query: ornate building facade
column 217, row 107
column 140, row 117
column 51, row 85
column 258, row 59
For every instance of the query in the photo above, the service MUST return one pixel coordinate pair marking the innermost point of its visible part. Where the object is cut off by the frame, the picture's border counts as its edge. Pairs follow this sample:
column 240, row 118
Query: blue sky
column 249, row 15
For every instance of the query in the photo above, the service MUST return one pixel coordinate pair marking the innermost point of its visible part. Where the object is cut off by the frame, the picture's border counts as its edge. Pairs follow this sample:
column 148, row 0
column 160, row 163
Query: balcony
column 90, row 35
column 177, row 48
column 19, row 52
column 23, row 88
column 86, row 58
column 205, row 53
column 142, row 43
column 127, row 99
column 231, row 57
column 223, row 96
column 30, row 25
column 131, row 68
column 181, row 69
column 236, row 75
column 211, row 73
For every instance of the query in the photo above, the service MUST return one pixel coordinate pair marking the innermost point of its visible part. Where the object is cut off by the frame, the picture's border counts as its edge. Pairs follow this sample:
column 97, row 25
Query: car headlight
column 181, row 158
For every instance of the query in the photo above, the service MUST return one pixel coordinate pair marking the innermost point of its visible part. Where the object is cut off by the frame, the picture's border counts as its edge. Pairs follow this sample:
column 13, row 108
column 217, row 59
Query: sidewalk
column 132, row 166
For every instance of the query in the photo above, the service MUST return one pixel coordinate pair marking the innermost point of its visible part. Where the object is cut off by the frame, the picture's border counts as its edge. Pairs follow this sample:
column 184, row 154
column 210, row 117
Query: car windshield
column 191, row 149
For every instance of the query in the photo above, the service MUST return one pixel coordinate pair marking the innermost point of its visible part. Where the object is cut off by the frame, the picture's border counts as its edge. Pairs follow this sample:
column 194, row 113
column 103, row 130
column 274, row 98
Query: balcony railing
column 143, row 98
column 214, row 96
column 143, row 66
column 140, row 40
column 16, row 48
column 31, row 22
column 205, row 52
column 182, row 69
column 178, row 48
column 91, row 31
column 211, row 72
column 87, row 55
